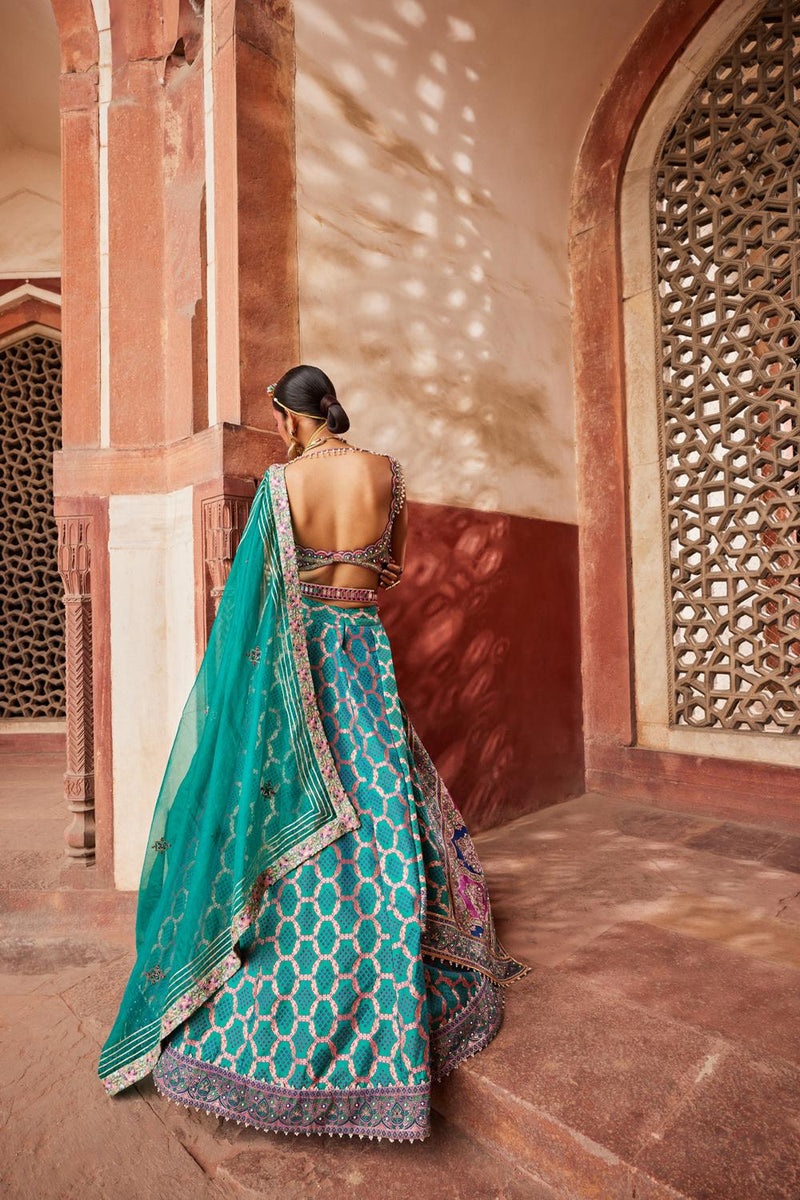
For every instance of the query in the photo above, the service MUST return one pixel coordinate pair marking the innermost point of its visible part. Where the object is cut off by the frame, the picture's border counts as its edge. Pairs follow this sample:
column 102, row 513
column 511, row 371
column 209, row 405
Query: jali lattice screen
column 726, row 199
column 32, row 612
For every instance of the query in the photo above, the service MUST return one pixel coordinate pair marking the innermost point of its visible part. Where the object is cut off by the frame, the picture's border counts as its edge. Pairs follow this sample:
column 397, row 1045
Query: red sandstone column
column 185, row 219
column 255, row 219
column 223, row 230
column 136, row 227
column 251, row 239
column 80, row 237
column 162, row 224
column 265, row 146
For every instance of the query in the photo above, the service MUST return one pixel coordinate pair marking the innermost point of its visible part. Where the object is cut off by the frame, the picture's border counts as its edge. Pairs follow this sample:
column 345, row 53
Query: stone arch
column 30, row 416
column 727, row 667
column 609, row 251
column 29, row 304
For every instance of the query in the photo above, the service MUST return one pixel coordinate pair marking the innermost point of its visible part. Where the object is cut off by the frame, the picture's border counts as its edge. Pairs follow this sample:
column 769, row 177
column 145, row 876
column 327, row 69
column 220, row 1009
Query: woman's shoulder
column 394, row 461
column 397, row 473
column 367, row 457
column 380, row 453
column 398, row 483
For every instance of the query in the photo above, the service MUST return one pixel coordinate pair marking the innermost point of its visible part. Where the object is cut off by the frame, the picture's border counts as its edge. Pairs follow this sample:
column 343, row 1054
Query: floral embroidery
column 254, row 655
column 463, row 933
column 471, row 1030
column 267, row 790
column 161, row 846
column 155, row 974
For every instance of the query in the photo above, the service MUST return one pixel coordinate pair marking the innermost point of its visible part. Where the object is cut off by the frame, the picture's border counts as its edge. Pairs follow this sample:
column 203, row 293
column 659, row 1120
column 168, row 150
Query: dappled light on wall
column 398, row 227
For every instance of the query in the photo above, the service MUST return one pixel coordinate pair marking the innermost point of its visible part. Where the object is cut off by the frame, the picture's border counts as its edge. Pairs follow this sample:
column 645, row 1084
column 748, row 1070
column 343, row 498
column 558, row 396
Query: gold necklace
column 317, row 441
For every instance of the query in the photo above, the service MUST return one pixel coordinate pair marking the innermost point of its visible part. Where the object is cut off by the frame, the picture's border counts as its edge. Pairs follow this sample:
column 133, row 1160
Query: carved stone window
column 32, row 612
column 727, row 257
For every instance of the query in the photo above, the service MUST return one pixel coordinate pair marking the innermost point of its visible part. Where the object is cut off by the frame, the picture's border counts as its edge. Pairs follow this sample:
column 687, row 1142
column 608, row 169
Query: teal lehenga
column 315, row 943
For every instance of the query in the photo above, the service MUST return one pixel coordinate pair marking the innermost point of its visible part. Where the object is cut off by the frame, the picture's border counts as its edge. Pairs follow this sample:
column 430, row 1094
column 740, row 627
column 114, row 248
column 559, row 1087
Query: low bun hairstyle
column 309, row 391
column 337, row 419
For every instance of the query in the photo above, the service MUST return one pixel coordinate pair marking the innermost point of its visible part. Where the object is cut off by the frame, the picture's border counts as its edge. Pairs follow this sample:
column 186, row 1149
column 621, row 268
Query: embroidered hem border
column 469, row 1031
column 223, row 970
column 444, row 940
column 399, row 1113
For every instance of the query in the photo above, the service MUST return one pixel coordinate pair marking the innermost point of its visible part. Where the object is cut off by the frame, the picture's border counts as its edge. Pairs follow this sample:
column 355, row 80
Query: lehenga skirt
column 337, row 1022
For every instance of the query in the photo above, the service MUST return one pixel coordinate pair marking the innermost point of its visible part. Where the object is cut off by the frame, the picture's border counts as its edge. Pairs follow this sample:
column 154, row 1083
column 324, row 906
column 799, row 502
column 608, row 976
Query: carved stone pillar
column 74, row 559
column 224, row 519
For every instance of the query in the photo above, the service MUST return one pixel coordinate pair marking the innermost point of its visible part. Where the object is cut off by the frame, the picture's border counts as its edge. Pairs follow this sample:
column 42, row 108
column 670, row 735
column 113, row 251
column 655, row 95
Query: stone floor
column 652, row 1053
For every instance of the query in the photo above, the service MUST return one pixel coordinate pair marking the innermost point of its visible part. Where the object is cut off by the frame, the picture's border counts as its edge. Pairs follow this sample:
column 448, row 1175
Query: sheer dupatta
column 249, row 792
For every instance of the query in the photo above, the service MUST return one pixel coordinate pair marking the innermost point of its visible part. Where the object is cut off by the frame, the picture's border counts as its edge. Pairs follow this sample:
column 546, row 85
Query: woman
column 314, row 936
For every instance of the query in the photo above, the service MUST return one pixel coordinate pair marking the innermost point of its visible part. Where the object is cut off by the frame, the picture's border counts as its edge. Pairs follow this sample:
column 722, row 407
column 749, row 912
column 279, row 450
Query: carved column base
column 73, row 563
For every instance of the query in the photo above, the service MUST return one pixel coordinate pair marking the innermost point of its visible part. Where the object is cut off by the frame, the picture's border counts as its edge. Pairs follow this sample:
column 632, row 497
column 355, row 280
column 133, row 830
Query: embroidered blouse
column 375, row 553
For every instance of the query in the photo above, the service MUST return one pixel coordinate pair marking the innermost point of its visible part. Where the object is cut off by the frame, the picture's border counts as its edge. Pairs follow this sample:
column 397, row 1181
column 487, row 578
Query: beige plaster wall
column 152, row 656
column 435, row 151
column 30, row 181
column 30, row 213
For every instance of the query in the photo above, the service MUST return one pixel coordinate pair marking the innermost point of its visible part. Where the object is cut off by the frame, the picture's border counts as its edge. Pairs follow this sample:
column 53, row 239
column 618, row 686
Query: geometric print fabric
column 334, row 995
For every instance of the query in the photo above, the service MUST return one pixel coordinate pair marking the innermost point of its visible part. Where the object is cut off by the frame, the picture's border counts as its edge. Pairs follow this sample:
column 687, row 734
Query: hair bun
column 337, row 419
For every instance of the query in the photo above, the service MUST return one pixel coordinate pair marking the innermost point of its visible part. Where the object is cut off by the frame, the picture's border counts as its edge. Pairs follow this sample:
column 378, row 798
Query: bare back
column 341, row 503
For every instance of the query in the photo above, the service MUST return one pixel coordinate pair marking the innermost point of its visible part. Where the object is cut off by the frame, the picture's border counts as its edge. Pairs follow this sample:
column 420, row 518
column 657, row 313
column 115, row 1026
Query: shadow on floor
column 653, row 1051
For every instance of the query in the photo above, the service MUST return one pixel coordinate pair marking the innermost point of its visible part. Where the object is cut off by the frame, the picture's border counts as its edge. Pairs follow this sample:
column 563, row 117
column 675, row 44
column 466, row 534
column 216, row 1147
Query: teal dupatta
column 251, row 791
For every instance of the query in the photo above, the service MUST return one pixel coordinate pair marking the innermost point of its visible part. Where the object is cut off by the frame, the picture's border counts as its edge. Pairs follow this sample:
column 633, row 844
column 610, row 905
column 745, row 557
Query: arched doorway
column 713, row 424
column 32, row 686
column 665, row 184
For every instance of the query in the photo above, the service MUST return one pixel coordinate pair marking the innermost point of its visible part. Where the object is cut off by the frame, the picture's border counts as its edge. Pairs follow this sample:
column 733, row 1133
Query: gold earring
column 295, row 448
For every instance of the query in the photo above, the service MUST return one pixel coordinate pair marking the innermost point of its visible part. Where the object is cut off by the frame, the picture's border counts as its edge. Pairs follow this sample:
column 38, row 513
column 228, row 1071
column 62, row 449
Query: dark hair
column 309, row 391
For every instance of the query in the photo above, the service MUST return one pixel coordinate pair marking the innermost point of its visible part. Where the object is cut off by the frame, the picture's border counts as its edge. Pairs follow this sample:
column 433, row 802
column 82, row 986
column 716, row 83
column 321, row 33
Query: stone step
column 652, row 1052
column 347, row 1168
column 61, row 912
column 65, row 1137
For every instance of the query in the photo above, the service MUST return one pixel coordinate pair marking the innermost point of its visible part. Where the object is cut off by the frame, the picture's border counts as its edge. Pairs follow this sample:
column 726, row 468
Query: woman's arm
column 390, row 575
